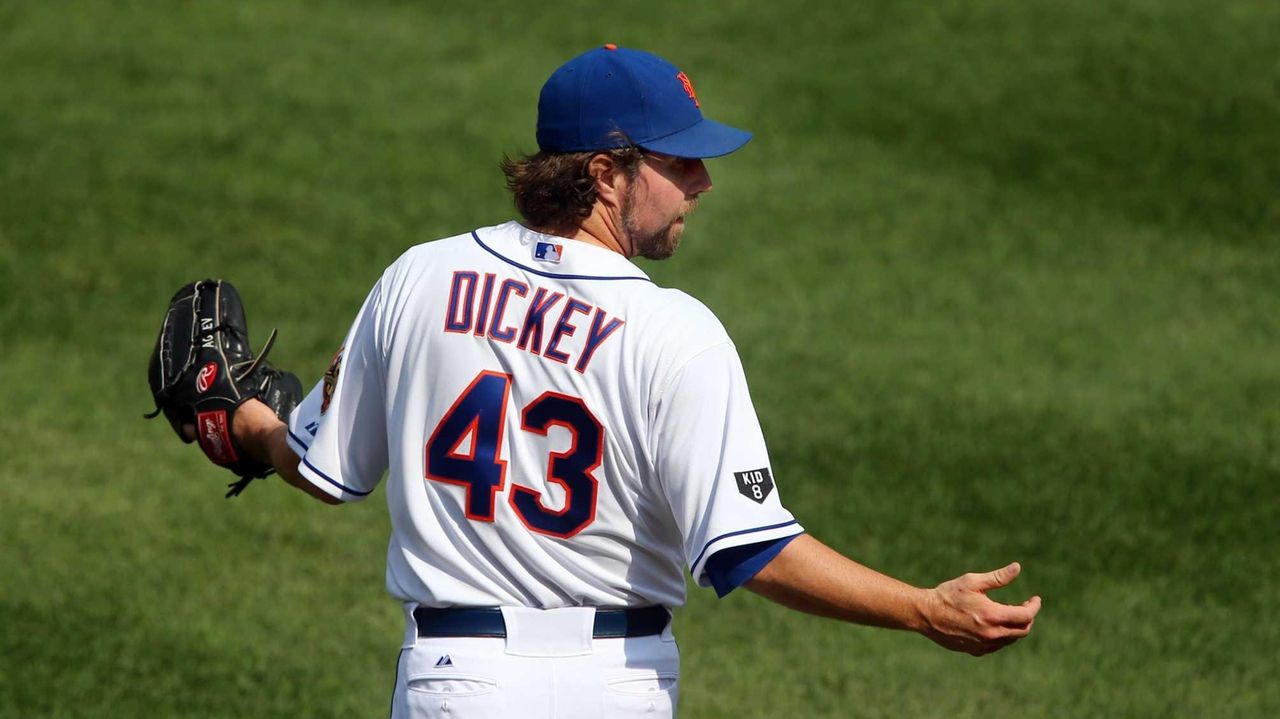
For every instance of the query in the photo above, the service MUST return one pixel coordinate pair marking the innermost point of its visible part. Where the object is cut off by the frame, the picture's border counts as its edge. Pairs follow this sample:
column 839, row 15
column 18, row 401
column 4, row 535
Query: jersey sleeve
column 712, row 462
column 339, row 430
column 304, row 421
column 731, row 568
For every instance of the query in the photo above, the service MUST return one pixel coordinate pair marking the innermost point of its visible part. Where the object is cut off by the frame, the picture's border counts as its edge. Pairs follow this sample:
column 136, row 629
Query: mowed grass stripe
column 1003, row 277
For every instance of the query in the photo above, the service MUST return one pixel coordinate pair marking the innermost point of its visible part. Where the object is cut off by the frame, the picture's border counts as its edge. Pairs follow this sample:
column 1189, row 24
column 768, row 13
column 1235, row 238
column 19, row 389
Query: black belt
column 488, row 622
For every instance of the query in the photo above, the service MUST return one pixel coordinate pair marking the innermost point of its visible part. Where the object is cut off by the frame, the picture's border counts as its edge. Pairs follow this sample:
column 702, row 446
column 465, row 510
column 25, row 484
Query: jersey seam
column 666, row 385
column 662, row 394
column 379, row 331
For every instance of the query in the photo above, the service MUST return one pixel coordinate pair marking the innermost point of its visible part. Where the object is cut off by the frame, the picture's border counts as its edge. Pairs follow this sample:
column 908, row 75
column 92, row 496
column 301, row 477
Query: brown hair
column 554, row 190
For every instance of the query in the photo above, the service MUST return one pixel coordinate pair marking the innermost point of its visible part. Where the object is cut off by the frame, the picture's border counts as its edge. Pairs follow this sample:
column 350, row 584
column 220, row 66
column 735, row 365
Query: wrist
column 923, row 608
column 253, row 426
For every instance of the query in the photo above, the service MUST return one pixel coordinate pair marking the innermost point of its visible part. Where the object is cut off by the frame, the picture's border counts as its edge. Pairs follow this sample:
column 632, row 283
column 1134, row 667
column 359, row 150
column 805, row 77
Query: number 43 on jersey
column 480, row 412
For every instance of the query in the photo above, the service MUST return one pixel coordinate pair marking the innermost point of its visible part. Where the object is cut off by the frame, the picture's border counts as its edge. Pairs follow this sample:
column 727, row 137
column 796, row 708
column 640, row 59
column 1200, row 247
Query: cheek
column 657, row 204
column 672, row 203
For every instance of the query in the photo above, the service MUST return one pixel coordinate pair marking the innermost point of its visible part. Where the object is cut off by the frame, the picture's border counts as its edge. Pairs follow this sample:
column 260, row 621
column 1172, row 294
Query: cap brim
column 705, row 138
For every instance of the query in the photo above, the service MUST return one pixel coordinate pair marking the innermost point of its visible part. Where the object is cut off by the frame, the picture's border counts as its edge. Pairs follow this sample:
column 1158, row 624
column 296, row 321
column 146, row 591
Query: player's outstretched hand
column 964, row 619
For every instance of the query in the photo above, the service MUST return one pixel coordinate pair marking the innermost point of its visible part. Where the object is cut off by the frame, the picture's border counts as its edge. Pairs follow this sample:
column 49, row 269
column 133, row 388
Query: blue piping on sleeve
column 332, row 481
column 298, row 439
column 707, row 546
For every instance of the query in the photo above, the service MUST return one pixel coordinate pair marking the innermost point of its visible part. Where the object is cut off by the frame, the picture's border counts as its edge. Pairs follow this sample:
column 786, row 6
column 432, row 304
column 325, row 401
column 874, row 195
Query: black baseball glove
column 203, row 369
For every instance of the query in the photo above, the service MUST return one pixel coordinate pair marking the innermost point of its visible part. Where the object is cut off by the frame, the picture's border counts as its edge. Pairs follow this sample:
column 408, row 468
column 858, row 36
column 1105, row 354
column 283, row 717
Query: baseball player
column 561, row 438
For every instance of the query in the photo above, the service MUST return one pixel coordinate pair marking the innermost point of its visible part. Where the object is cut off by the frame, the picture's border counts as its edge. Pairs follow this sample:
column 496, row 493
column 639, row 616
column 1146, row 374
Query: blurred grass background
column 1005, row 277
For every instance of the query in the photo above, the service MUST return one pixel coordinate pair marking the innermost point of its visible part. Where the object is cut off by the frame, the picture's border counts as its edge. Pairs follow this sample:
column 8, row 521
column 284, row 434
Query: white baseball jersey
column 556, row 430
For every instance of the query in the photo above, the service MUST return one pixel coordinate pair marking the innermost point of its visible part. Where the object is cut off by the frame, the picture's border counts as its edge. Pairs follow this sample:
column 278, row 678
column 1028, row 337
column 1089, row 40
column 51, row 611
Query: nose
column 700, row 178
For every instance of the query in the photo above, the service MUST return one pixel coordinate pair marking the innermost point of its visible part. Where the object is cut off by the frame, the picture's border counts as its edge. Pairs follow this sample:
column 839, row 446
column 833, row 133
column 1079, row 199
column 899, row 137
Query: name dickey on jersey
column 492, row 309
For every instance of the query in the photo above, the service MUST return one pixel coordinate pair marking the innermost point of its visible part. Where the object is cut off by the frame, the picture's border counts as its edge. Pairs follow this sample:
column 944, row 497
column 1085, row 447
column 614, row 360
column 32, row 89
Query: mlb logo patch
column 548, row 252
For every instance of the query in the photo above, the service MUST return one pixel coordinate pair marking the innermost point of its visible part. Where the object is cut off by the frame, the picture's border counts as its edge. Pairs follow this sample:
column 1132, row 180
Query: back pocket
column 455, row 696
column 642, row 694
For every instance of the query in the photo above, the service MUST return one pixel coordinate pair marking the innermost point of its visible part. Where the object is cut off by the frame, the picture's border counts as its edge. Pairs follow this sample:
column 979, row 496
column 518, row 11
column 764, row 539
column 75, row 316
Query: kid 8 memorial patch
column 755, row 484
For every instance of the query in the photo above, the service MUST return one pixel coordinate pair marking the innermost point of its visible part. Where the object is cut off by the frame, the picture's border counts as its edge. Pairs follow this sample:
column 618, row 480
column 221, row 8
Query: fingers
column 999, row 578
column 994, row 646
column 1017, row 632
column 1015, row 615
column 1032, row 604
column 985, row 643
column 971, row 622
column 996, row 639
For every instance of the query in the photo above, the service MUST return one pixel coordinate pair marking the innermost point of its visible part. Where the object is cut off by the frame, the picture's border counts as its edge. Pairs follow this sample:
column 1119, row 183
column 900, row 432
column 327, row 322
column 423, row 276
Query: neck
column 599, row 229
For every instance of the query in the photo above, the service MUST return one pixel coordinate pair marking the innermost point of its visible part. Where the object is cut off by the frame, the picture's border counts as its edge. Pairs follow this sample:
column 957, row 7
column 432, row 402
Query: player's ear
column 608, row 177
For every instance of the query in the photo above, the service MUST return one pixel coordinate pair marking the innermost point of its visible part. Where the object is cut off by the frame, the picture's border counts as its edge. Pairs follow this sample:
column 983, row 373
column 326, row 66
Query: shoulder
column 434, row 251
column 420, row 264
column 684, row 316
column 669, row 327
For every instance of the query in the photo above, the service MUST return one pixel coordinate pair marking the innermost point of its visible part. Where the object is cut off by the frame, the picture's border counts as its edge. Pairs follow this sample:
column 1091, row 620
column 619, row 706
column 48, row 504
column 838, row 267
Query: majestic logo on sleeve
column 755, row 484
column 548, row 252
column 330, row 380
column 688, row 88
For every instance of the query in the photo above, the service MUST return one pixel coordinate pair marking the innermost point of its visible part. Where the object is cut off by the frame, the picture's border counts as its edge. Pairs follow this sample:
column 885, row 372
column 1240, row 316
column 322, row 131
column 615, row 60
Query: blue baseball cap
column 587, row 100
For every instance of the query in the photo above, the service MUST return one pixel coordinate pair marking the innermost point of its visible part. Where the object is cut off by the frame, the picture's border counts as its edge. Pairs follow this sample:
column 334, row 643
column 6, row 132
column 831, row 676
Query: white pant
column 548, row 667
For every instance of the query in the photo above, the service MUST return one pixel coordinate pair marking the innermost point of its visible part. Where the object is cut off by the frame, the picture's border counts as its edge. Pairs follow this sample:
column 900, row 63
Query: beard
column 657, row 245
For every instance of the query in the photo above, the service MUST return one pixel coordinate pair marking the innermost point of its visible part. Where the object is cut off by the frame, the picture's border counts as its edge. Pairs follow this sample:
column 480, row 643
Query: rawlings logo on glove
column 203, row 369
column 215, row 437
column 206, row 377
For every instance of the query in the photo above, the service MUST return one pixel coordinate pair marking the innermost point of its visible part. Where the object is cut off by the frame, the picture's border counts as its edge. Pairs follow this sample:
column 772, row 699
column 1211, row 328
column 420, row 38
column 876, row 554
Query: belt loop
column 564, row 632
column 410, row 626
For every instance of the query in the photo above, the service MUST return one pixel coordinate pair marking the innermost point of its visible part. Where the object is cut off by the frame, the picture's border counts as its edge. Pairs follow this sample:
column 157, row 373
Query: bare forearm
column 264, row 436
column 957, row 614
column 286, row 464
column 810, row 577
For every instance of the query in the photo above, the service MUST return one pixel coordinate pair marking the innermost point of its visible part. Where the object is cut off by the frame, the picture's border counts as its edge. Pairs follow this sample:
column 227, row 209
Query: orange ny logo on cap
column 688, row 88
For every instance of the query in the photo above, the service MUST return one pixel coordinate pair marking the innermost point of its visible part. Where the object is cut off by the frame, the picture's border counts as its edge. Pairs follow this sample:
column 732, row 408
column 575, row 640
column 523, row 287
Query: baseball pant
column 548, row 666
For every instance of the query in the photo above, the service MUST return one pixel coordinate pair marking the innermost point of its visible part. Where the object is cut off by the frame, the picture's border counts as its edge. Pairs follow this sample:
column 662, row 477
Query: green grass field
column 1005, row 277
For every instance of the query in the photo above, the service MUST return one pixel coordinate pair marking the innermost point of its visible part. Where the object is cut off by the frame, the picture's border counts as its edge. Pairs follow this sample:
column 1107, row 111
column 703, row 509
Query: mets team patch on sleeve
column 755, row 484
column 330, row 381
